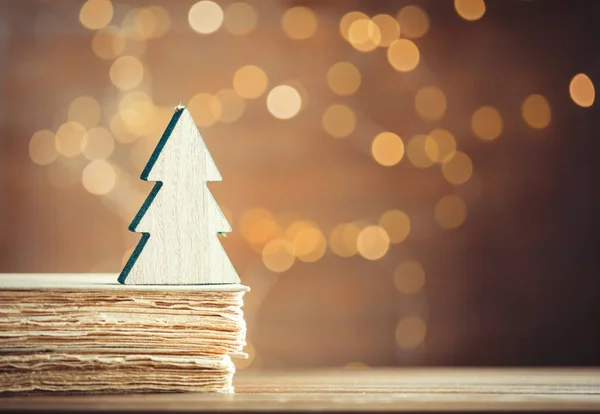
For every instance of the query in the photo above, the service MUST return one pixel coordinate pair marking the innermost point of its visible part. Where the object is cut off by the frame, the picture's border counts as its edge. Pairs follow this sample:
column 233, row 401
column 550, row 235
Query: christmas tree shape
column 180, row 220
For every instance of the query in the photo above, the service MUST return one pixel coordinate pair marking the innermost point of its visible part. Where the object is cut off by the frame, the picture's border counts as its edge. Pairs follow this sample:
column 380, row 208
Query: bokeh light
column 98, row 144
column 414, row 21
column 450, row 212
column 99, row 177
column 582, row 90
column 120, row 131
column 228, row 106
column 364, row 35
column 440, row 145
column 205, row 17
column 389, row 28
column 108, row 43
column 347, row 20
column 250, row 81
column 417, row 151
column 410, row 332
column 387, row 149
column 85, row 110
column 373, row 242
column 69, row 137
column 470, row 9
column 299, row 23
column 309, row 244
column 396, row 224
column 96, row 14
column 126, row 72
column 409, row 277
column 536, row 111
column 284, row 102
column 487, row 123
column 459, row 169
column 403, row 55
column 343, row 78
column 205, row 110
column 250, row 219
column 430, row 103
column 42, row 147
column 339, row 120
column 278, row 255
column 343, row 239
column 240, row 18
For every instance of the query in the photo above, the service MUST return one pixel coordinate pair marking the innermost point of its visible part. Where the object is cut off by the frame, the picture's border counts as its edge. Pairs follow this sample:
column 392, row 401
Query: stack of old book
column 89, row 334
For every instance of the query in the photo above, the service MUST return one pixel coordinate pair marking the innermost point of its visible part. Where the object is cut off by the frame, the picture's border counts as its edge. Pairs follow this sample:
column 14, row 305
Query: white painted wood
column 183, row 220
column 96, row 281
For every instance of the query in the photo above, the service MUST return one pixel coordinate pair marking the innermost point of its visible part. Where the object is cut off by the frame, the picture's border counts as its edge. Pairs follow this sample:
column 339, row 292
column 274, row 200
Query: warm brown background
column 515, row 284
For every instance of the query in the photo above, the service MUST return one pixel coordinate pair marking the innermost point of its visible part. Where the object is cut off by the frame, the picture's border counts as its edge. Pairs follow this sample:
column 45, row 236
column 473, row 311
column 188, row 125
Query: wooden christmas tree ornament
column 180, row 220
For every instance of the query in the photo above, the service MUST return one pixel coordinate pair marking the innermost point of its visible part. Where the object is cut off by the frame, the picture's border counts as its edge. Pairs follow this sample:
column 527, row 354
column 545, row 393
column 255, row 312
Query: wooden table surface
column 362, row 390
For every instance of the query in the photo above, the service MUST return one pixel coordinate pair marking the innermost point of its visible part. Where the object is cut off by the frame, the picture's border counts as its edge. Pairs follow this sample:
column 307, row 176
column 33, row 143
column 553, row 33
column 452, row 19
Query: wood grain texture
column 365, row 390
column 102, row 281
column 180, row 220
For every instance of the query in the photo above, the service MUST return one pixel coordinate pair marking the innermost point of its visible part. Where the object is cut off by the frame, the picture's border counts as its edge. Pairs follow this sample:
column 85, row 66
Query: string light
column 414, row 22
column 403, row 55
column 205, row 17
column 387, row 149
column 470, row 9
column 459, row 169
column 582, row 90
column 343, row 78
column 536, row 111
column 240, row 18
column 440, row 145
column 339, row 121
column 450, row 212
column 42, row 147
column 299, row 23
column 250, row 81
column 284, row 102
column 96, row 14
column 487, row 123
column 409, row 277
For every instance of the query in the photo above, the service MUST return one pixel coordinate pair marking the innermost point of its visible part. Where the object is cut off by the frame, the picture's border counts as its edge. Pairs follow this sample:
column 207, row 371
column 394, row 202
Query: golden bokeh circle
column 487, row 123
column 582, row 90
column 403, row 55
column 450, row 212
column 387, row 149
column 536, row 111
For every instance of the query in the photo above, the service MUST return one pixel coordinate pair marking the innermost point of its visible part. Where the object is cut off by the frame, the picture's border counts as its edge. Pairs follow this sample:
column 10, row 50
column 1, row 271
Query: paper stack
column 88, row 334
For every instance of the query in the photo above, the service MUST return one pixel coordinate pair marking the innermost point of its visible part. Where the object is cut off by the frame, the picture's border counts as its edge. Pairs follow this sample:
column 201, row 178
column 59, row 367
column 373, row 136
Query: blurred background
column 408, row 182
